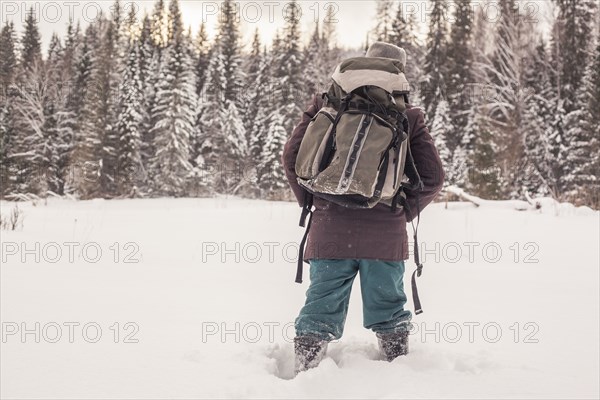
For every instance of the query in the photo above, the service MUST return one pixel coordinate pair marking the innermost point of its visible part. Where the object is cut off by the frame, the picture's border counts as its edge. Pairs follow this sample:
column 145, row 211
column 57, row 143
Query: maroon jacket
column 376, row 233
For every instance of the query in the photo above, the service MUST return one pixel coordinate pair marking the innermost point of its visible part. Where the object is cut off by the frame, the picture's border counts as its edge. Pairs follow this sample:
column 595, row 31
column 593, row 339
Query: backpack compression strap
column 417, row 187
column 306, row 211
column 419, row 270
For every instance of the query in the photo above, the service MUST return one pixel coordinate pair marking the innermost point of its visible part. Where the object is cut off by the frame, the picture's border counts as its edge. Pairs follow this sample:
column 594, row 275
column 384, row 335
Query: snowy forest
column 136, row 106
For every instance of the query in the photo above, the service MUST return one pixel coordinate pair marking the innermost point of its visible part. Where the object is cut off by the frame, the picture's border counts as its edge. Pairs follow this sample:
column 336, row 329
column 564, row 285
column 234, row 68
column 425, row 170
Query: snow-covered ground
column 195, row 298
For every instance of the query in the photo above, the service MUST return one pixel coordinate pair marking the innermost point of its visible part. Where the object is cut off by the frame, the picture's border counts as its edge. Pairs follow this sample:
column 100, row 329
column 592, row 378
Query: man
column 373, row 242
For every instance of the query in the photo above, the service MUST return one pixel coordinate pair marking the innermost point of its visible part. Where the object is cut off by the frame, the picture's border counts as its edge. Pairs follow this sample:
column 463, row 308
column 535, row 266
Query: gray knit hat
column 386, row 50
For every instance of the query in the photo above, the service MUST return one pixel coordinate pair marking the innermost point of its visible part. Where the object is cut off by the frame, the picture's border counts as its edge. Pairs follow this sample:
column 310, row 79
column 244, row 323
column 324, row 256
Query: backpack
column 356, row 148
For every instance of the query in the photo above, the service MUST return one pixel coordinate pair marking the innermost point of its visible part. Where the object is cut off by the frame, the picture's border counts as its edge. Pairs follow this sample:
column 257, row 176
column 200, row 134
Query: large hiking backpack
column 356, row 148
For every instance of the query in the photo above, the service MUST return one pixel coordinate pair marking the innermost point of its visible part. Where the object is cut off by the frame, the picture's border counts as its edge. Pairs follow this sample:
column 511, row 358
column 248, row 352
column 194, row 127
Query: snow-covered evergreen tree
column 69, row 104
column 87, row 157
column 592, row 189
column 320, row 56
column 31, row 50
column 8, row 56
column 485, row 177
column 153, row 42
column 404, row 34
column 314, row 76
column 202, row 47
column 147, row 75
column 384, row 16
column 289, row 97
column 460, row 66
column 129, row 121
column 8, row 66
column 433, row 86
column 541, row 141
column 254, row 104
column 174, row 113
column 110, row 66
column 582, row 177
column 272, row 176
column 576, row 28
column 54, row 104
column 223, row 137
column 441, row 129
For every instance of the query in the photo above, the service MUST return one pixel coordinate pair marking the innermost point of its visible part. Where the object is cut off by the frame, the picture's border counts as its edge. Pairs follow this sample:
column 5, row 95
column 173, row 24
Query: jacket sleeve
column 429, row 166
column 290, row 150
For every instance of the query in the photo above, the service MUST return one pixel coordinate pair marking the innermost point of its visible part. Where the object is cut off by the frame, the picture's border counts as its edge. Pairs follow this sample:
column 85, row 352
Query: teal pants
column 327, row 298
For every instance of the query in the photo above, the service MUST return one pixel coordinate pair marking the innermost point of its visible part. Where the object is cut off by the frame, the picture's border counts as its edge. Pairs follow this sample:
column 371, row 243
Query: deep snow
column 215, row 320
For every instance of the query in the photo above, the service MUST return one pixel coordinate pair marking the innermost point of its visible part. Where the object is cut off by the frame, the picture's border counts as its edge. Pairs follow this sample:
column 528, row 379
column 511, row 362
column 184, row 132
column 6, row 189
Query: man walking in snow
column 373, row 242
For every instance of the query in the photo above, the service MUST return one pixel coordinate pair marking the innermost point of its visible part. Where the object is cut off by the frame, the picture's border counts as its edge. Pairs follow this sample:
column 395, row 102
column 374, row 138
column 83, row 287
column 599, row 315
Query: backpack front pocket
column 361, row 141
column 314, row 144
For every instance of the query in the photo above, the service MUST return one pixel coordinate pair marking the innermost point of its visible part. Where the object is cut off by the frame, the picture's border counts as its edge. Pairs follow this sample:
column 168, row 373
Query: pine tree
column 87, row 157
column 460, row 61
column 68, row 116
column 202, row 46
column 404, row 34
column 314, row 81
column 582, row 178
column 320, row 57
column 160, row 24
column 154, row 39
column 223, row 147
column 147, row 76
column 261, row 106
column 254, row 91
column 557, row 119
column 592, row 189
column 272, row 177
column 433, row 88
column 384, row 17
column 110, row 65
column 8, row 56
column 201, row 59
column 541, row 142
column 461, row 132
column 576, row 20
column 8, row 65
column 229, row 49
column 31, row 50
column 54, row 104
column 289, row 96
column 485, row 174
column 574, row 29
column 441, row 128
column 174, row 113
column 129, row 121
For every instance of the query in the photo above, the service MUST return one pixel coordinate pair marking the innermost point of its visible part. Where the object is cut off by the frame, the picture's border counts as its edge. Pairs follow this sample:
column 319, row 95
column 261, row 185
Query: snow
column 183, row 299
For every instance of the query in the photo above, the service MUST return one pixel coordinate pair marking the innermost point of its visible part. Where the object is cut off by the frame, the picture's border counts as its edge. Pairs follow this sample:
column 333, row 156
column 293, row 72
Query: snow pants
column 328, row 296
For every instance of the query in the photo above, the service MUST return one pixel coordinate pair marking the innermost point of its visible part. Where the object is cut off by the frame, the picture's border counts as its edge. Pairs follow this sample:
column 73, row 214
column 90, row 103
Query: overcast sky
column 354, row 18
